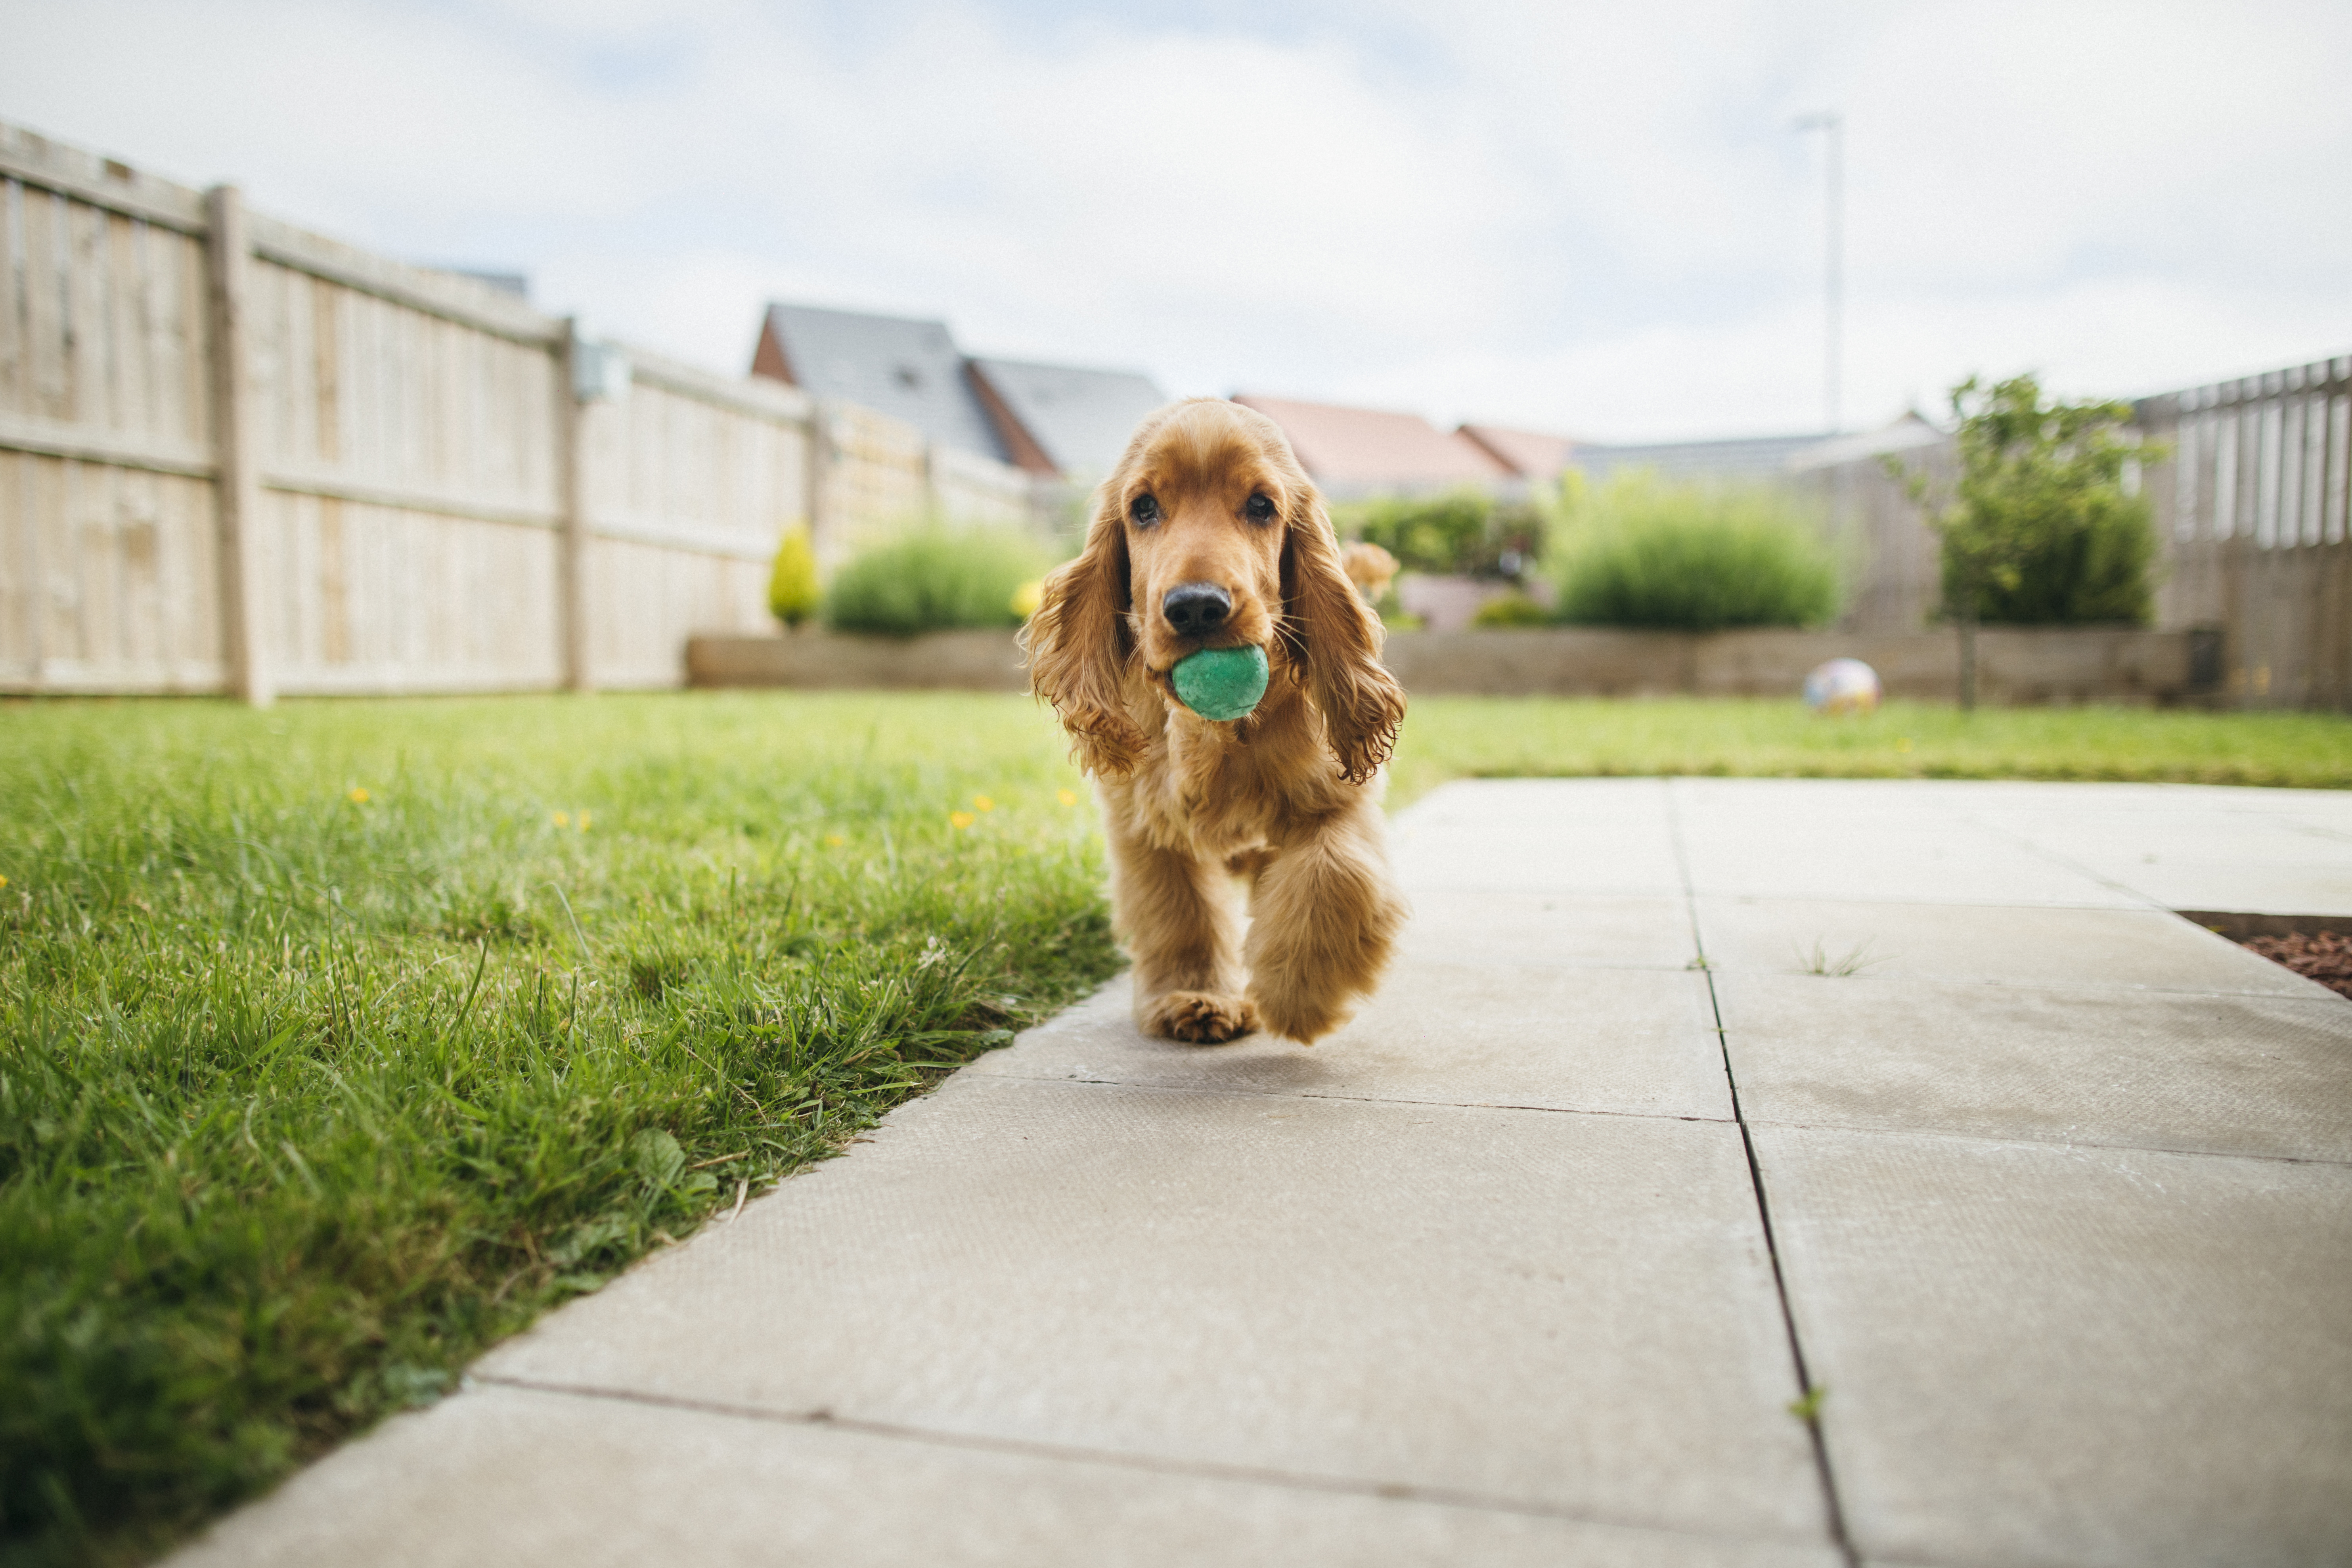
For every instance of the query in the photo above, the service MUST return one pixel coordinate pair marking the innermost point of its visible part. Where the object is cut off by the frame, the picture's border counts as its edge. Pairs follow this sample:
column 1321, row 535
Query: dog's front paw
column 1202, row 1017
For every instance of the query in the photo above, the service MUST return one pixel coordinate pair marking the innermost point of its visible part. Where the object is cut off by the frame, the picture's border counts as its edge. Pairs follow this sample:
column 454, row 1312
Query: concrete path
column 2050, row 1190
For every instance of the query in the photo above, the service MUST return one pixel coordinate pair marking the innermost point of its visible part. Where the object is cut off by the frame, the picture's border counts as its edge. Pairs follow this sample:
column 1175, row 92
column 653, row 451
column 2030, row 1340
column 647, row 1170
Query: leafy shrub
column 793, row 592
column 2039, row 530
column 1511, row 610
column 1464, row 532
column 1642, row 553
column 933, row 580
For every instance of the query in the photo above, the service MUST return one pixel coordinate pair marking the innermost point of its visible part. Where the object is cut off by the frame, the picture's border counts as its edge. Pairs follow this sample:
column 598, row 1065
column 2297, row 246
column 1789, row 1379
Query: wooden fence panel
column 108, row 576
column 678, row 462
column 408, row 537
column 689, row 482
column 878, row 481
column 645, row 601
column 977, row 490
column 362, row 599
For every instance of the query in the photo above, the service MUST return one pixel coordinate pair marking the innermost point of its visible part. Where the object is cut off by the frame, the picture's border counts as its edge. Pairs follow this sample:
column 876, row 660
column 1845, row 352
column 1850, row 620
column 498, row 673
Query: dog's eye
column 1259, row 509
column 1145, row 509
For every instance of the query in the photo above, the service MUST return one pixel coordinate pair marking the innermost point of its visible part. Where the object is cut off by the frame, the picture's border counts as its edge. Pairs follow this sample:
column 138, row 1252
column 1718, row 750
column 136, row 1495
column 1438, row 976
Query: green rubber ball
column 1220, row 683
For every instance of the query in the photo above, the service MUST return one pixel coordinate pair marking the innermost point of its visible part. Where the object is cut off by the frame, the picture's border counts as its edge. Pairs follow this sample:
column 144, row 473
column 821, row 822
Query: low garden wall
column 960, row 661
column 2014, row 665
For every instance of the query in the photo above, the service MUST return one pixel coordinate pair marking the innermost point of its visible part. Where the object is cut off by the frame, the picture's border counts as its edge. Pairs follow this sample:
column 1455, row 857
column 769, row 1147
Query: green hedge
column 1642, row 553
column 935, row 580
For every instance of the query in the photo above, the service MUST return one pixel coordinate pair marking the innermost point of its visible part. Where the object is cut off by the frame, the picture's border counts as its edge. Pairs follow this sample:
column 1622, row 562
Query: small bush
column 1642, row 553
column 934, row 580
column 1511, row 610
column 793, row 592
column 1464, row 532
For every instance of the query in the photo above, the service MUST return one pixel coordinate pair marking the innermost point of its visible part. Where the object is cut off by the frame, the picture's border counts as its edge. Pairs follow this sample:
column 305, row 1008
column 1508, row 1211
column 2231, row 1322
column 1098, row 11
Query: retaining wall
column 2014, row 666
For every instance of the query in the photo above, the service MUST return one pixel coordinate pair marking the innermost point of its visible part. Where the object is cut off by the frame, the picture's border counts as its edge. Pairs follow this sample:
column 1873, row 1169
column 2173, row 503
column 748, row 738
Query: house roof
column 1525, row 452
column 902, row 366
column 1742, row 457
column 1079, row 419
column 1904, row 434
column 1364, row 447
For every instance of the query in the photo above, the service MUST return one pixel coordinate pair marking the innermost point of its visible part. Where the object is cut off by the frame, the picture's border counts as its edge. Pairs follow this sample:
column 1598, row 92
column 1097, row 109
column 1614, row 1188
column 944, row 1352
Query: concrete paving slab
column 2144, row 950
column 1569, row 1312
column 1611, row 837
column 1636, row 1042
column 1563, row 929
column 2225, row 1074
column 2039, row 1356
column 2185, row 858
column 529, row 1479
column 1822, row 842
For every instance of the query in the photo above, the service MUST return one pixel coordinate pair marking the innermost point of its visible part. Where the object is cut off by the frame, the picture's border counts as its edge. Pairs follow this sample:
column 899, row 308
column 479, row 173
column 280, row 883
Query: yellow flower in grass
column 584, row 821
column 357, row 797
column 1069, row 797
column 963, row 819
column 983, row 802
column 4, row 881
column 835, row 841
column 563, row 819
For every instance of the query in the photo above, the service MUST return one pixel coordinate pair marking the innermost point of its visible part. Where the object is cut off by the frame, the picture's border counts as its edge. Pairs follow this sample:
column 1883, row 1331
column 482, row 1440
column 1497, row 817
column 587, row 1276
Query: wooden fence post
column 572, row 505
column 236, row 484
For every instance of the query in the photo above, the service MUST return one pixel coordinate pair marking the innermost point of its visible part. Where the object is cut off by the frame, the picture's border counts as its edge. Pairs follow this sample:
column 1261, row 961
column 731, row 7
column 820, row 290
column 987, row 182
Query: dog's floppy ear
column 1079, row 643
column 1335, row 640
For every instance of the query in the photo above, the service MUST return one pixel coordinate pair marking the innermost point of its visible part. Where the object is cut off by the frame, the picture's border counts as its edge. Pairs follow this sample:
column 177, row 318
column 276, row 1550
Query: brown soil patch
column 2323, row 955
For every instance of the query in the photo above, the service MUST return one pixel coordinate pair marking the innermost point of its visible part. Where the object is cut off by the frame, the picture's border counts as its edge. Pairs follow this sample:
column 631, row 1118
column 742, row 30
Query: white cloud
column 1589, row 217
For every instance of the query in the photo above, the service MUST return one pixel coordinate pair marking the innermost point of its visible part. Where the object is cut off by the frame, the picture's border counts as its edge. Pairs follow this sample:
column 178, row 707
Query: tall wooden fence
column 2251, row 505
column 237, row 457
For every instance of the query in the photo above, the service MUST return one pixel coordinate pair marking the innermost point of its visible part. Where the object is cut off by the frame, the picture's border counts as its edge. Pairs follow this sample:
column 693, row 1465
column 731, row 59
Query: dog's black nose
column 1195, row 610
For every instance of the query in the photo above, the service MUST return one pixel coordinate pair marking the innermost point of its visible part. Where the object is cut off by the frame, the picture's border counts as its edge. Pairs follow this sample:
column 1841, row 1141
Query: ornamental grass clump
column 933, row 580
column 1644, row 553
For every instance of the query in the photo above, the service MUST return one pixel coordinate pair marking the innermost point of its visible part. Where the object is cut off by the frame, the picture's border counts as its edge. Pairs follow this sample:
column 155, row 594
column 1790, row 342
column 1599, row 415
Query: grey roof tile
column 907, row 368
column 1081, row 419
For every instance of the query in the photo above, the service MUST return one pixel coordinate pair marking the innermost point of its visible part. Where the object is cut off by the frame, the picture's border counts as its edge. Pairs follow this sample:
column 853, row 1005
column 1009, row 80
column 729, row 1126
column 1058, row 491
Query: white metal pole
column 1833, row 268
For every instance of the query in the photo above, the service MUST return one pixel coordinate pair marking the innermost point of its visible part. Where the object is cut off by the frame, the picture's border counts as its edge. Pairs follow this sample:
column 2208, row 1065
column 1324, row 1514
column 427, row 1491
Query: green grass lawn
column 339, row 1040
column 1448, row 737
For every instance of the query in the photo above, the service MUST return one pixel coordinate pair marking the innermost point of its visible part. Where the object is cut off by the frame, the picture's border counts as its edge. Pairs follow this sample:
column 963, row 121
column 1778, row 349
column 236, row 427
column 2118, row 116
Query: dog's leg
column 1323, row 918
column 1177, row 916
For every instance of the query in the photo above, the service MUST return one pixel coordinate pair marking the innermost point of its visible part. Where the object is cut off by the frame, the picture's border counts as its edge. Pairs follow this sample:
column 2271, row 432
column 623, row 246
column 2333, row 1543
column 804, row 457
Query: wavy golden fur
column 1209, row 498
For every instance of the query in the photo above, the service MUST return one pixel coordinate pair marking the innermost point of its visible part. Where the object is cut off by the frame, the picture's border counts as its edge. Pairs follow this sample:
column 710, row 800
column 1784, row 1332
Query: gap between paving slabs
column 1807, row 1405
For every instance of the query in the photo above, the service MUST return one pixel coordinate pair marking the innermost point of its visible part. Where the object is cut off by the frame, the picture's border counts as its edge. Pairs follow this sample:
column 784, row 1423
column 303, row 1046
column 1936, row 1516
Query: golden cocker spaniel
column 1210, row 535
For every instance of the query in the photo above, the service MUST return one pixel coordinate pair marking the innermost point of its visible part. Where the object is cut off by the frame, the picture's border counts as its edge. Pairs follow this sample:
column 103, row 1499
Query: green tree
column 2038, row 528
column 793, row 593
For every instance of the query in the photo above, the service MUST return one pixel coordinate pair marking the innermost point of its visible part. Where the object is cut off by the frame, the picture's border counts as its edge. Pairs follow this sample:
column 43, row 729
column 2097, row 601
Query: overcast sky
column 1587, row 218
